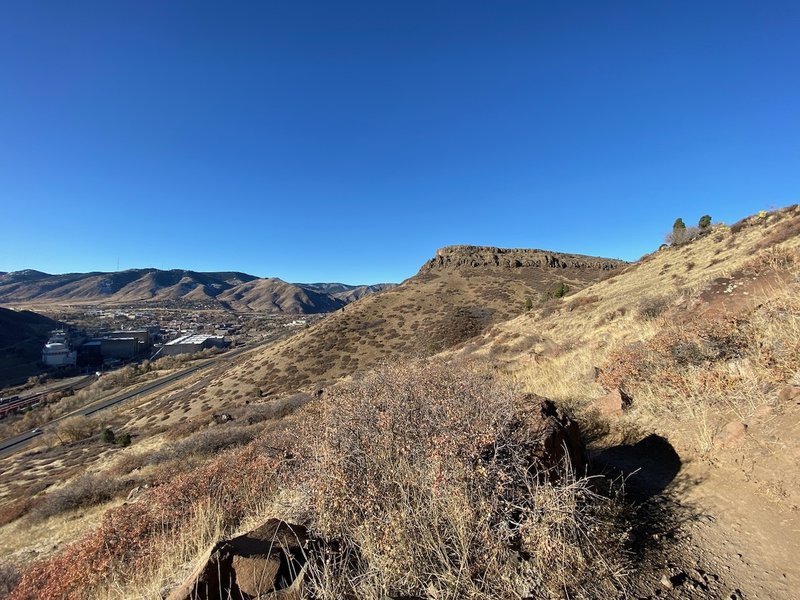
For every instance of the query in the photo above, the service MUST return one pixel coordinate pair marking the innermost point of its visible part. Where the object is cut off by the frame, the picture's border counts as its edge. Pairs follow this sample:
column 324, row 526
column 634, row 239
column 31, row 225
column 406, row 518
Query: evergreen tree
column 678, row 232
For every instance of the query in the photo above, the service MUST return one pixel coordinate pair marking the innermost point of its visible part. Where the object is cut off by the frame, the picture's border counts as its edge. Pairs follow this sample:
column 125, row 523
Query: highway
column 17, row 443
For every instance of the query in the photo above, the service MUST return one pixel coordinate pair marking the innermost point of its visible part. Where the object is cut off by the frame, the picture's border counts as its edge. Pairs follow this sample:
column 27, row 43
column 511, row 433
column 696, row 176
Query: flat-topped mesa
column 458, row 257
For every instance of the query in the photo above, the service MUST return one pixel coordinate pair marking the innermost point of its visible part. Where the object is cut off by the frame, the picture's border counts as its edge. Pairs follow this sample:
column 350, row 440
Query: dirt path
column 753, row 542
column 711, row 529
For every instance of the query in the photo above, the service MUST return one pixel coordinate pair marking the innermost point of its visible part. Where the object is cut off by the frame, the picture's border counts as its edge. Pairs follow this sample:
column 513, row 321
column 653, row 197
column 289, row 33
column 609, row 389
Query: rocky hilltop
column 457, row 257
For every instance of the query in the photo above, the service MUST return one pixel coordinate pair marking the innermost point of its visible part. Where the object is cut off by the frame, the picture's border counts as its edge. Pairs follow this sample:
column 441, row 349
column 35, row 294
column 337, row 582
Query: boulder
column 221, row 418
column 268, row 560
column 613, row 403
column 550, row 437
column 732, row 435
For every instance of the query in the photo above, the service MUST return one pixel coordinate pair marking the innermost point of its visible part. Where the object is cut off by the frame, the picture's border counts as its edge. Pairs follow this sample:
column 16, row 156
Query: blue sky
column 346, row 141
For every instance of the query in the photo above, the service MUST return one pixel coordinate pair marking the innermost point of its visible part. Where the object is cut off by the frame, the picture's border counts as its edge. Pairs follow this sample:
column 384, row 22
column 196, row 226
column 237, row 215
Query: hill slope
column 703, row 339
column 22, row 336
column 455, row 296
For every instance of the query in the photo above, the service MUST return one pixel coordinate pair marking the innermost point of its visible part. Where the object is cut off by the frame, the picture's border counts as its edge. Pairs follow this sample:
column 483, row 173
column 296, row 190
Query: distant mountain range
column 227, row 289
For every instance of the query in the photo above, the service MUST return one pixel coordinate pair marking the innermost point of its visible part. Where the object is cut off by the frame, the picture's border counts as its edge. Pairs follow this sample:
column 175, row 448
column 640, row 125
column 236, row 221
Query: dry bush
column 135, row 539
column 182, row 430
column 412, row 471
column 274, row 409
column 211, row 440
column 127, row 463
column 707, row 368
column 652, row 307
column 662, row 359
column 582, row 301
column 76, row 428
column 11, row 511
column 83, row 491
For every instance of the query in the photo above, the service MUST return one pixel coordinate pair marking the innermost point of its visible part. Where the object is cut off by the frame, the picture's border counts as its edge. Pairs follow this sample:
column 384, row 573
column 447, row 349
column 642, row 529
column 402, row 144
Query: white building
column 191, row 343
column 57, row 351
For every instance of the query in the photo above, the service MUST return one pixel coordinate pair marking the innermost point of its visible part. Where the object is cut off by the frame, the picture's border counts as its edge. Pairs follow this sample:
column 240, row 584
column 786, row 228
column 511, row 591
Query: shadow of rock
column 648, row 466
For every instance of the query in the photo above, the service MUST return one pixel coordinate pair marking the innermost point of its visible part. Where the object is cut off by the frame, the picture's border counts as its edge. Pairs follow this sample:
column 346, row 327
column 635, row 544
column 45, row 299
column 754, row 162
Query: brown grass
column 691, row 367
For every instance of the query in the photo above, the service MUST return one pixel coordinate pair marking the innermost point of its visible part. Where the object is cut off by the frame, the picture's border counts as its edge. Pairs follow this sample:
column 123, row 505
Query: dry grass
column 697, row 352
column 410, row 473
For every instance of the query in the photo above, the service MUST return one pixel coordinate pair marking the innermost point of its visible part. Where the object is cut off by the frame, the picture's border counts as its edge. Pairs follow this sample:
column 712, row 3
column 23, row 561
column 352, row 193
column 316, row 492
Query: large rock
column 270, row 560
column 548, row 436
column 614, row 403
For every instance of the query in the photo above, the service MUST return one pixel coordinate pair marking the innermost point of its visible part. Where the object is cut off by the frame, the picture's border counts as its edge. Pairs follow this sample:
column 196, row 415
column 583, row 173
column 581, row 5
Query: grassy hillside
column 447, row 302
column 703, row 340
column 421, row 475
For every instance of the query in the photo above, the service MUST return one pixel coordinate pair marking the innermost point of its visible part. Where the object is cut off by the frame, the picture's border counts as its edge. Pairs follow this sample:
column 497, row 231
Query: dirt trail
column 752, row 541
column 712, row 530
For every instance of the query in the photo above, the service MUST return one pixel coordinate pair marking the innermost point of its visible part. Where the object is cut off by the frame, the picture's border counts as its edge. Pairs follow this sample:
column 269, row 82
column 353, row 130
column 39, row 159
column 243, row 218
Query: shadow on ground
column 648, row 466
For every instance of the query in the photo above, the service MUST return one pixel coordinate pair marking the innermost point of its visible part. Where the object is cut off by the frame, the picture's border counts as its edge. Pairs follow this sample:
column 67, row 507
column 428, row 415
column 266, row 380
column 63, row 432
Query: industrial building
column 192, row 342
column 124, row 345
column 141, row 335
column 58, row 351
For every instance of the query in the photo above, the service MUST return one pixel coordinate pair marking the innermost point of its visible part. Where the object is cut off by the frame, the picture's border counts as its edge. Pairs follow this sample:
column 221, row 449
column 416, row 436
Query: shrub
column 84, row 491
column 704, row 223
column 107, row 436
column 123, row 439
column 75, row 429
column 9, row 577
column 415, row 474
column 11, row 511
column 653, row 307
column 128, row 542
column 582, row 301
column 681, row 234
column 559, row 290
column 413, row 471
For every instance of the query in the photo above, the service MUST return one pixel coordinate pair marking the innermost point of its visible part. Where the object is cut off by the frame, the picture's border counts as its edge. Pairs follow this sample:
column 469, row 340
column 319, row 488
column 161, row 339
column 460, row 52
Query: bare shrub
column 679, row 237
column 84, row 491
column 679, row 361
column 274, row 409
column 416, row 474
column 215, row 439
column 182, row 430
column 9, row 577
column 11, row 511
column 582, row 301
column 76, row 428
column 413, row 473
column 132, row 539
column 653, row 307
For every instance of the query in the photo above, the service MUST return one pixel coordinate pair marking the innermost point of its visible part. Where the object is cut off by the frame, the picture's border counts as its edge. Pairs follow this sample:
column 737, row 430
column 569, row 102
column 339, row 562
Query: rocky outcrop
column 549, row 438
column 267, row 562
column 466, row 257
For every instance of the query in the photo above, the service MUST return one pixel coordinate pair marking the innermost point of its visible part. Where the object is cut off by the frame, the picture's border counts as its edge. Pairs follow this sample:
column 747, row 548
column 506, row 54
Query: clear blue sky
column 346, row 141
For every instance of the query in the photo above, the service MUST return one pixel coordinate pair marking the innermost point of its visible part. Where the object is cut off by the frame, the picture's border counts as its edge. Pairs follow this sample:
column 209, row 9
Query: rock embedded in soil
column 269, row 560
